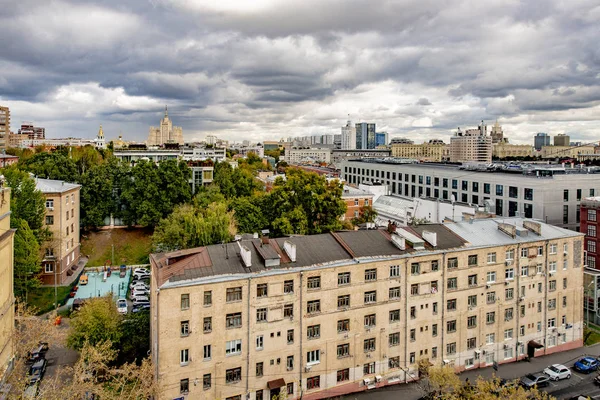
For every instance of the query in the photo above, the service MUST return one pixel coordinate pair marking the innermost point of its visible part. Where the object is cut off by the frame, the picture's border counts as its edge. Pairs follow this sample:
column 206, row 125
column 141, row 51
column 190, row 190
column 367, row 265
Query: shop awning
column 277, row 383
column 534, row 344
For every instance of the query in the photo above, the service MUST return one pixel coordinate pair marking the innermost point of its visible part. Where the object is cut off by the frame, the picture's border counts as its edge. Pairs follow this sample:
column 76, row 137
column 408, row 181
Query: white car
column 140, row 285
column 122, row 306
column 136, row 293
column 557, row 372
column 139, row 298
column 141, row 271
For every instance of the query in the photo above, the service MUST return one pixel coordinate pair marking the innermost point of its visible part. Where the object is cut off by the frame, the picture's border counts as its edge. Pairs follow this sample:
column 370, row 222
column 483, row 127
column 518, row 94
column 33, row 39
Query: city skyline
column 261, row 72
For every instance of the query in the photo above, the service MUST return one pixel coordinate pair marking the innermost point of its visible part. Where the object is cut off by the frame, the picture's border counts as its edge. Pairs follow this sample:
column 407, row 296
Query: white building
column 471, row 145
column 348, row 137
column 211, row 140
column 216, row 154
column 99, row 141
column 297, row 156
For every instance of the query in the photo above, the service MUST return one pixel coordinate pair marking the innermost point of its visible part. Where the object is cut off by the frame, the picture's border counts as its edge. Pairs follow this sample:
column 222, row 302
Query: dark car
column 36, row 371
column 38, row 352
column 586, row 365
column 534, row 380
column 140, row 307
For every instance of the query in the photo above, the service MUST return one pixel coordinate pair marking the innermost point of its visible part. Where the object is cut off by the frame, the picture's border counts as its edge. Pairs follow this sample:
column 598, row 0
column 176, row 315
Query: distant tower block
column 165, row 133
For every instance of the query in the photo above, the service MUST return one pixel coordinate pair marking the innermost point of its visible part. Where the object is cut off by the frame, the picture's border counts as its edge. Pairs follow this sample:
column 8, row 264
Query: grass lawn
column 591, row 335
column 42, row 298
column 131, row 246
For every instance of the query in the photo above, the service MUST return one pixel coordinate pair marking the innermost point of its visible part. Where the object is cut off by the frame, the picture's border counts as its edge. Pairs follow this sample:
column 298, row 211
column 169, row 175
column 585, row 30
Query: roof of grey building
column 54, row 186
column 350, row 191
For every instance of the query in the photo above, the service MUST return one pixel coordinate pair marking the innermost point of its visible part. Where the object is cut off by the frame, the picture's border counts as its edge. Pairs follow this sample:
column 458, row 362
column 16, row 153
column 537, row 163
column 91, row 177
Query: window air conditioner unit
column 377, row 378
column 307, row 368
column 289, row 368
column 508, row 262
column 505, row 347
column 51, row 208
column 488, row 286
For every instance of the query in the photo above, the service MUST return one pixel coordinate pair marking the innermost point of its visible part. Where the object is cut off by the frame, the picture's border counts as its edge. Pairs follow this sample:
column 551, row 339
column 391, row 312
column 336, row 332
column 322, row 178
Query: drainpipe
column 518, row 308
column 406, row 361
column 300, row 355
column 249, row 342
column 545, row 304
column 442, row 307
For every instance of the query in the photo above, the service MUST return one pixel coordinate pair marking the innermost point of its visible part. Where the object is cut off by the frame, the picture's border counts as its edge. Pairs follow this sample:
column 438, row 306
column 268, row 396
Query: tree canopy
column 96, row 321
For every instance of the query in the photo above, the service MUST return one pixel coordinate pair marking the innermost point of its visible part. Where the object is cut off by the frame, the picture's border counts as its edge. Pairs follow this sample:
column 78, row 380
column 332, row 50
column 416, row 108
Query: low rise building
column 339, row 155
column 504, row 150
column 312, row 155
column 7, row 298
column 431, row 151
column 330, row 314
column 216, row 154
column 61, row 254
column 566, row 151
column 7, row 159
column 355, row 200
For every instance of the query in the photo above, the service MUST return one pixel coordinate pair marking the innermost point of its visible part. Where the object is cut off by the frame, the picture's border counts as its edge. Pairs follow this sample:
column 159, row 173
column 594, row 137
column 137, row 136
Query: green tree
column 135, row 340
column 223, row 179
column 56, row 165
column 366, row 214
column 97, row 321
column 97, row 195
column 27, row 203
column 173, row 178
column 27, row 259
column 207, row 195
column 249, row 216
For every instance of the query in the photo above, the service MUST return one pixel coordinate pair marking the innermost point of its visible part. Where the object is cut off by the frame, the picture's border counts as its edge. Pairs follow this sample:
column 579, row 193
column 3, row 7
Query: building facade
column 32, row 132
column 562, row 140
column 566, row 151
column 546, row 193
column 497, row 134
column 337, row 156
column 348, row 137
column 381, row 139
column 297, row 156
column 431, row 151
column 61, row 255
column 504, row 150
column 540, row 140
column 100, row 142
column 331, row 314
column 589, row 226
column 472, row 145
column 6, row 160
column 365, row 135
column 7, row 298
column 4, row 126
column 165, row 133
column 355, row 200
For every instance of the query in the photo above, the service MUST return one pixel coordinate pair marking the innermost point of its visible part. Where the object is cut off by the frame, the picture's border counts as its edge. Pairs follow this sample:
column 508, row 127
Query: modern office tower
column 365, row 135
column 562, row 140
column 348, row 137
column 540, row 140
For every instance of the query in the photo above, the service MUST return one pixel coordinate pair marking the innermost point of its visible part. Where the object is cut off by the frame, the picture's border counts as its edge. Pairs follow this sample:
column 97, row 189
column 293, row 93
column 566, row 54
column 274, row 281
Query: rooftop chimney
column 246, row 255
column 290, row 250
column 430, row 237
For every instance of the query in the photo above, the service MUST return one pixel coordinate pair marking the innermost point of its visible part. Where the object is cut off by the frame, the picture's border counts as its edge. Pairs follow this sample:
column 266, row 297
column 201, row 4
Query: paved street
column 578, row 384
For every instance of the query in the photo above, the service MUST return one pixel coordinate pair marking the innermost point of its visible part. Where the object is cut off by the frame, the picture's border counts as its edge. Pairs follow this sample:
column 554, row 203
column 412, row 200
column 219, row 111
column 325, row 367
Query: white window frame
column 491, row 277
column 233, row 347
column 260, row 342
column 491, row 258
column 313, row 357
column 490, row 338
column 184, row 357
column 508, row 334
column 552, row 248
column 509, row 274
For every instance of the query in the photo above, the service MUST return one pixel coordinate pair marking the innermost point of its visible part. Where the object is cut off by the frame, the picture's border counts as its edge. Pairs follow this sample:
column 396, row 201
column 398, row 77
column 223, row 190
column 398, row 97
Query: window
column 67, row 218
column 552, row 323
column 313, row 331
column 343, row 375
column 591, row 246
column 490, row 338
column 369, row 345
column 551, row 304
column 233, row 347
column 184, row 357
column 184, row 328
column 290, row 363
column 185, row 301
column 394, row 293
column 49, row 219
column 370, row 275
column 234, row 294
column 343, row 325
column 413, row 335
column 452, row 283
column 499, row 190
column 50, row 204
column 471, row 343
column 314, row 282
column 233, row 320
column 472, row 260
column 508, row 352
column 343, row 301
column 313, row 357
column 451, row 348
column 491, row 276
column 207, row 298
column 343, row 350
column 434, row 308
column 552, row 249
column 451, row 305
column 491, row 258
column 48, row 267
column 524, row 270
column 539, row 306
column 413, row 312
column 233, row 375
column 472, row 301
column 528, row 195
column 206, row 381
column 414, row 289
column 452, row 263
column 591, row 230
column 394, row 362
column 509, row 273
column 344, row 278
column 552, row 285
column 565, row 214
column 513, row 192
column 261, row 290
column 261, row 315
column 313, row 306
column 564, row 301
column 260, row 342
column 370, row 297
column 552, row 266
column 184, row 386
column 566, row 195
column 290, row 336
column 207, row 325
column 370, row 320
column 524, row 252
column 472, row 279
column 395, row 316
column 260, row 395
column 288, row 287
column 490, row 317
column 451, row 326
column 288, row 310
column 472, row 321
column 508, row 314
column 415, row 269
column 591, row 215
column 435, row 266
column 369, row 368
column 394, row 271
column 491, row 297
column 508, row 334
column 434, row 330
column 394, row 339
column 207, row 352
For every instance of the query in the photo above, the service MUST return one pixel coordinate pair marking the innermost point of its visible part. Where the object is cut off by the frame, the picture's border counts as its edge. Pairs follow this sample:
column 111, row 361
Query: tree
column 56, row 165
column 223, row 179
column 249, row 216
column 366, row 214
column 27, row 259
column 27, row 203
column 97, row 321
column 135, row 340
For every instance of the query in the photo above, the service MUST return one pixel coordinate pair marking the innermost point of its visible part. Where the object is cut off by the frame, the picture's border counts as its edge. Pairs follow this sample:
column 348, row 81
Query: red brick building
column 589, row 225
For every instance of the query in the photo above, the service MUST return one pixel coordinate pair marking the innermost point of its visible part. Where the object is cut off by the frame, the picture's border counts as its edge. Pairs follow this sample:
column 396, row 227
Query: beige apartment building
column 61, row 255
column 433, row 151
column 4, row 126
column 566, row 151
column 330, row 314
column 472, row 145
column 7, row 298
column 504, row 150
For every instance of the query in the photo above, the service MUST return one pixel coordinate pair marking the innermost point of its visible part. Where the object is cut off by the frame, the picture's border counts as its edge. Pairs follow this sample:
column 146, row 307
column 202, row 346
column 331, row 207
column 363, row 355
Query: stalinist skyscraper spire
column 165, row 133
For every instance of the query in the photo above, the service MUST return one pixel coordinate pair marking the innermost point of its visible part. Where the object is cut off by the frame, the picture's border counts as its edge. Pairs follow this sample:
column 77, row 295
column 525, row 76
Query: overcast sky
column 266, row 69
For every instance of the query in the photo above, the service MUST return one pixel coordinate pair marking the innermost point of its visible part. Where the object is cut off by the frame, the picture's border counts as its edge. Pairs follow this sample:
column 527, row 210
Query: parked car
column 38, row 352
column 534, row 380
column 140, row 307
column 140, row 276
column 137, row 293
column 557, row 372
column 36, row 371
column 139, row 285
column 141, row 300
column 141, row 271
column 586, row 365
column 83, row 280
column 122, row 306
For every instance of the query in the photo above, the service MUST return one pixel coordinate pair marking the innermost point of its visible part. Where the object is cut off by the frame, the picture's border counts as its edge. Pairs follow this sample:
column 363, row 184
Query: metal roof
column 54, row 186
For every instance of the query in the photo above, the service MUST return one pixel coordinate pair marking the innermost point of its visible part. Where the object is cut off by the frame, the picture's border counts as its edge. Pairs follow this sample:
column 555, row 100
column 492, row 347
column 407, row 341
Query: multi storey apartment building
column 330, row 314
column 355, row 200
column 589, row 226
column 4, row 126
column 296, row 156
column 61, row 255
column 7, row 298
column 504, row 150
column 550, row 193
column 471, row 145
column 432, row 151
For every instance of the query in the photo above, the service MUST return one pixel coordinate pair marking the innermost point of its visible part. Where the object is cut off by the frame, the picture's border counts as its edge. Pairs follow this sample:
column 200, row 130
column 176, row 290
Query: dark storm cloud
column 268, row 68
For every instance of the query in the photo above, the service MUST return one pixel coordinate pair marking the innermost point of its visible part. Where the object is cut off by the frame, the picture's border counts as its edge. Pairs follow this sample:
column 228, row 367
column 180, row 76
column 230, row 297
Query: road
column 565, row 389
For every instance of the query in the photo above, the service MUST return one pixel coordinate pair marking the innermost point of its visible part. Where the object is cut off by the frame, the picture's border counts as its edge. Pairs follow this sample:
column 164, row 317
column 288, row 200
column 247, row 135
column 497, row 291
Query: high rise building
column 497, row 134
column 7, row 298
column 562, row 140
column 472, row 145
column 348, row 137
column 540, row 140
column 381, row 139
column 4, row 127
column 327, row 139
column 32, row 132
column 165, row 133
column 365, row 135
column 337, row 141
